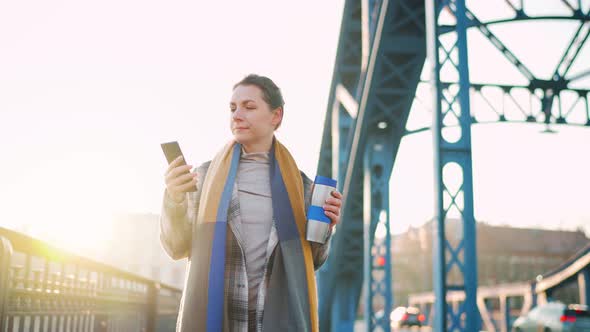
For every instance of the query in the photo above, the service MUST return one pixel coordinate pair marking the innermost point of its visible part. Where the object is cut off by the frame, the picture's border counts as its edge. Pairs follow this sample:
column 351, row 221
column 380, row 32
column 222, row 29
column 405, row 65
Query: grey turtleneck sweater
column 253, row 181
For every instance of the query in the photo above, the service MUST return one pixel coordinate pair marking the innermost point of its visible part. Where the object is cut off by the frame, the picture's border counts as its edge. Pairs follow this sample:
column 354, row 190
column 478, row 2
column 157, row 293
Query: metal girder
column 372, row 74
column 572, row 51
column 377, row 238
column 468, row 16
column 570, row 106
column 386, row 84
column 551, row 87
column 333, row 313
column 545, row 104
column 452, row 112
column 519, row 14
column 569, row 272
column 538, row 108
column 523, row 18
column 391, row 65
column 455, row 263
column 342, row 313
column 347, row 69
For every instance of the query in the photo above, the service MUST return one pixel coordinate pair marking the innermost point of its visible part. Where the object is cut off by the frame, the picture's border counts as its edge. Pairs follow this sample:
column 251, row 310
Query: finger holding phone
column 178, row 177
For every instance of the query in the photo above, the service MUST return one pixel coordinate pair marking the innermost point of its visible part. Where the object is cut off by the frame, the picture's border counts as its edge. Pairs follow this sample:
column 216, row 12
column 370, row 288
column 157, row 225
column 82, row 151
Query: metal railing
column 500, row 305
column 43, row 288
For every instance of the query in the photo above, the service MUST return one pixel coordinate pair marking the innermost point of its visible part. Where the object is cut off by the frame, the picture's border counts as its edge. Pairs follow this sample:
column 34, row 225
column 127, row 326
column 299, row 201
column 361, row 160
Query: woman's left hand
column 332, row 207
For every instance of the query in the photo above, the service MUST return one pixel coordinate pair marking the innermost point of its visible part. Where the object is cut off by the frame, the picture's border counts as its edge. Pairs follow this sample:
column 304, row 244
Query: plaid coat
column 176, row 229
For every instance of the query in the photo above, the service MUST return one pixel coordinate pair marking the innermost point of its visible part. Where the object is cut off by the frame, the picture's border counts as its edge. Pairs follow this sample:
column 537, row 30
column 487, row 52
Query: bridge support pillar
column 377, row 237
column 454, row 235
column 505, row 310
column 542, row 298
column 426, row 310
column 584, row 286
column 343, row 313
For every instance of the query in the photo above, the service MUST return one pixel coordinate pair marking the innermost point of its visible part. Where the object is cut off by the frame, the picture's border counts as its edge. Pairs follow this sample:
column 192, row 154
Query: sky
column 89, row 90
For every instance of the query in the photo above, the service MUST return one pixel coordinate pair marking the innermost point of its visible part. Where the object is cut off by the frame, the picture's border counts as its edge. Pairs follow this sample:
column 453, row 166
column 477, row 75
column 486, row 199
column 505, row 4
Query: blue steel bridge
column 382, row 49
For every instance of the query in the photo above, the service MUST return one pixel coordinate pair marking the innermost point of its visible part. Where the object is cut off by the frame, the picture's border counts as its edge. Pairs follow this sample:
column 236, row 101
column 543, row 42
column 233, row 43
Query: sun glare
column 74, row 207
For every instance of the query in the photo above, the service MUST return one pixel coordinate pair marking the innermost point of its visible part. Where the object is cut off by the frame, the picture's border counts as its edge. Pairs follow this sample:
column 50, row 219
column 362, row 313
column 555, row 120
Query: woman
column 250, row 267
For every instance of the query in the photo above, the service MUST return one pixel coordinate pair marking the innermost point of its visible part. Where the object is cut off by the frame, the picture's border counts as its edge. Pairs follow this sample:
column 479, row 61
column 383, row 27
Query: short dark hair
column 270, row 91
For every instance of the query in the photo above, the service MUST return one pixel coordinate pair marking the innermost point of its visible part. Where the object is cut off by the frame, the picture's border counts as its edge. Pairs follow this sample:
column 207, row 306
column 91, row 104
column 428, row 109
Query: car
column 406, row 316
column 554, row 317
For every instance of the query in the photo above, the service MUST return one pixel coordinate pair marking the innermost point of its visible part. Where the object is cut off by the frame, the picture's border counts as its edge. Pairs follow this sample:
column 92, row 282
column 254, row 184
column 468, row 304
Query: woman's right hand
column 176, row 178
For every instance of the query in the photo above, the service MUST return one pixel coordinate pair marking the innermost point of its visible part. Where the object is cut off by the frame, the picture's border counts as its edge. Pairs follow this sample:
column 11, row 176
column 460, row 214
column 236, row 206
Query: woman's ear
column 277, row 117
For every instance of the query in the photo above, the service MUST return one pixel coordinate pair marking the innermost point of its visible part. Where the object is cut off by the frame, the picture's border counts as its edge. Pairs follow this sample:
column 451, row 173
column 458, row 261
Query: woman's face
column 252, row 121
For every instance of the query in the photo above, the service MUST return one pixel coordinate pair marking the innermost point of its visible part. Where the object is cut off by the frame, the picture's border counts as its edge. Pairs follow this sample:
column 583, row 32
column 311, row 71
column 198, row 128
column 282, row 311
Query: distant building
column 505, row 254
column 135, row 247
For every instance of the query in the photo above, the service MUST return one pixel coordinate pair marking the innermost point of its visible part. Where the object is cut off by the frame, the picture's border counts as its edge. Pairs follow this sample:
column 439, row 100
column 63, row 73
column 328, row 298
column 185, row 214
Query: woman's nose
column 237, row 114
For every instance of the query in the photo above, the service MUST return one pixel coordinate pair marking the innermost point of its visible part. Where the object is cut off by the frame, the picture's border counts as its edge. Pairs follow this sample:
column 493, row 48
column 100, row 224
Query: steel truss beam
column 375, row 77
column 520, row 104
column 377, row 269
column 455, row 263
column 387, row 79
column 558, row 82
column 338, row 299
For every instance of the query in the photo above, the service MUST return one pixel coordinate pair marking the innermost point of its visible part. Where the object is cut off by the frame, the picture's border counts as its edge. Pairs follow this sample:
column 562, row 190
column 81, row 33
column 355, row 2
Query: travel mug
column 318, row 224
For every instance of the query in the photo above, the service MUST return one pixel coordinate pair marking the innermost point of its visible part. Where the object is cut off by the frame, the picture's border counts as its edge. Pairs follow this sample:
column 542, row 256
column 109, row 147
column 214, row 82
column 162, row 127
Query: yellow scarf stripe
column 214, row 184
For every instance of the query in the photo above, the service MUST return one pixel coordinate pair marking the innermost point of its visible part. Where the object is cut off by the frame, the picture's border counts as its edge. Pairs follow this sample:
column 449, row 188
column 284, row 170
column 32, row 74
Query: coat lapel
column 233, row 216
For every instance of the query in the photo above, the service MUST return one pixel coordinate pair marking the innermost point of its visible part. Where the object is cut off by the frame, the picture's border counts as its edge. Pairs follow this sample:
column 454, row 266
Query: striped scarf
column 292, row 288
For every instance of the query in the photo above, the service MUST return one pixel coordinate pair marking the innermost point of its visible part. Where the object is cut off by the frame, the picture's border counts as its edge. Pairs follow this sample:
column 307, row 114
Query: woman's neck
column 258, row 146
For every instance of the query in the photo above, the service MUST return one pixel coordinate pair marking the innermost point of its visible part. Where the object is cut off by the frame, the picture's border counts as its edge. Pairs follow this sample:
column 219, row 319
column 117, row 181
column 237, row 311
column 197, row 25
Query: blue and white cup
column 318, row 224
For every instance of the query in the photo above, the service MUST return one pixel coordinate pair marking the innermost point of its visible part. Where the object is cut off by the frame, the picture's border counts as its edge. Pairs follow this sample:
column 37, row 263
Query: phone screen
column 172, row 151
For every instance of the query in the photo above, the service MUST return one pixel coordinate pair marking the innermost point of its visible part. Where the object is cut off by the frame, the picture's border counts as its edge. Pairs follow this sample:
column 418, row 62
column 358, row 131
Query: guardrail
column 526, row 294
column 43, row 288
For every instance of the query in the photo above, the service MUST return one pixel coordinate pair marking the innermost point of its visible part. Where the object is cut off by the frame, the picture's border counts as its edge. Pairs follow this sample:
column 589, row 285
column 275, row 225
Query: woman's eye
column 232, row 109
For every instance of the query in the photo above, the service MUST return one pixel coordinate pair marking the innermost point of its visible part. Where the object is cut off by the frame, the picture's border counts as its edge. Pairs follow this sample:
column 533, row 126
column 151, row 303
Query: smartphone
column 172, row 151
